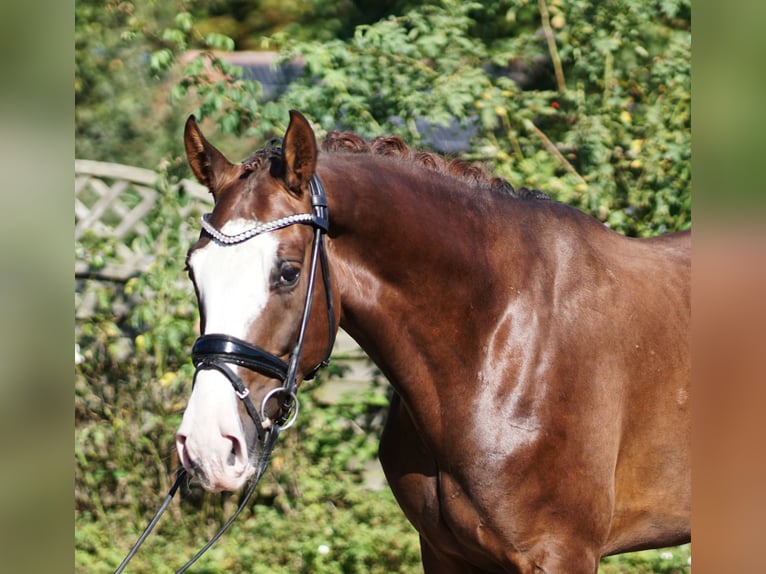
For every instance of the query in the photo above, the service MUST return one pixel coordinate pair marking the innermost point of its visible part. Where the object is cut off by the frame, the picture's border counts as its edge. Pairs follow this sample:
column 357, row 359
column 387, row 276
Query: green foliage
column 667, row 561
column 138, row 356
column 392, row 72
column 116, row 101
column 312, row 515
column 613, row 139
column 248, row 22
column 612, row 136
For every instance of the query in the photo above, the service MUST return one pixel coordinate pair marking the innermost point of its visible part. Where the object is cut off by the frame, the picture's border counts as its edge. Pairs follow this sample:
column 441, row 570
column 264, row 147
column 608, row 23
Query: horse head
column 263, row 287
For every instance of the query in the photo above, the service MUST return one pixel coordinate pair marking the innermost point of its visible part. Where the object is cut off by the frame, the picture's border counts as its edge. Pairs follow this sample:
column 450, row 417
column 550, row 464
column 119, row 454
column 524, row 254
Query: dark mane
column 394, row 146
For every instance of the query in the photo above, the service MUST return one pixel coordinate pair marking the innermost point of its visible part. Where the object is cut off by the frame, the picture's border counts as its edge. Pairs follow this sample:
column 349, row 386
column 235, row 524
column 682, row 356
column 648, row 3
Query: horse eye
column 289, row 274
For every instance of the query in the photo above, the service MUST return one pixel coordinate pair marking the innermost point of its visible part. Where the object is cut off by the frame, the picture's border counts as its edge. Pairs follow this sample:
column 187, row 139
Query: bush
column 610, row 133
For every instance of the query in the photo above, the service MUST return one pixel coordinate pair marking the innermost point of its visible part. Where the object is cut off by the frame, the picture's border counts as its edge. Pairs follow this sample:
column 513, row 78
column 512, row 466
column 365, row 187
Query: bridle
column 217, row 351
column 220, row 351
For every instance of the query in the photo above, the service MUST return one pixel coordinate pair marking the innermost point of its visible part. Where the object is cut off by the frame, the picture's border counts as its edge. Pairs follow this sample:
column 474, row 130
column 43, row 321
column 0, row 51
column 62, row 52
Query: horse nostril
column 183, row 453
column 237, row 452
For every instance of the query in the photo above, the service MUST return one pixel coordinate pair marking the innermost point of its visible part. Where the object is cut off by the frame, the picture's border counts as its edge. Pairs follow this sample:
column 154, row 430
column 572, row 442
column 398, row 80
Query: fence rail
column 111, row 201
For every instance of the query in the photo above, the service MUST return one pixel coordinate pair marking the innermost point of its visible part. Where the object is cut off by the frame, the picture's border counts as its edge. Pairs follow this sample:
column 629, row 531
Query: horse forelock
column 395, row 147
column 264, row 156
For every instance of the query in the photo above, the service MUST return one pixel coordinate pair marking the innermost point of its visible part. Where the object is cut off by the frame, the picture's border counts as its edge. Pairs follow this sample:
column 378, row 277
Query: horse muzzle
column 213, row 444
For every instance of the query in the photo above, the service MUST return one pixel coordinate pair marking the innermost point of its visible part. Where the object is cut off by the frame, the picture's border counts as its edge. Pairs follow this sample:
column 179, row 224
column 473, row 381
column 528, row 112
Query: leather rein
column 219, row 351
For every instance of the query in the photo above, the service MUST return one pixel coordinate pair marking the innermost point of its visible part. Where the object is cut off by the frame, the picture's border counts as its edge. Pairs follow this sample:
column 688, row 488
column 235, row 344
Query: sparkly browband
column 257, row 229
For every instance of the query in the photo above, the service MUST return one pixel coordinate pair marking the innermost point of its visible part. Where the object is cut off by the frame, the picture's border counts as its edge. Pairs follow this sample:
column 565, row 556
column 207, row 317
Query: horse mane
column 394, row 146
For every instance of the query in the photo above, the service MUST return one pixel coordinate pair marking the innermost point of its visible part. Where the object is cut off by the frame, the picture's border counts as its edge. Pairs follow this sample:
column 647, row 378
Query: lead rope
column 153, row 522
column 271, row 441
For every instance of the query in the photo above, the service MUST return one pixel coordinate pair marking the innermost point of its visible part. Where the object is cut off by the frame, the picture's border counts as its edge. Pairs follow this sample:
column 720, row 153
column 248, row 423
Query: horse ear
column 300, row 152
column 209, row 165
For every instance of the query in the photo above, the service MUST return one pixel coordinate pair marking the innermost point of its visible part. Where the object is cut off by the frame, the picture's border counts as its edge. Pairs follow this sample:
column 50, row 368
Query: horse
column 540, row 360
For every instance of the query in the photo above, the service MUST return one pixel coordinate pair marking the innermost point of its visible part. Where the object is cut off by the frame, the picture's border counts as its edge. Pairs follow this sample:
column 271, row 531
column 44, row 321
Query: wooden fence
column 111, row 201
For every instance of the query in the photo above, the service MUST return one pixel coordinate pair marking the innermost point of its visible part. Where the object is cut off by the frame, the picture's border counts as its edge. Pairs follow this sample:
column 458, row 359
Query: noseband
column 219, row 351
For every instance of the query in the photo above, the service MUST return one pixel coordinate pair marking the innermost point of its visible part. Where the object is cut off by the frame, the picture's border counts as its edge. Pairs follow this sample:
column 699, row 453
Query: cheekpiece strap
column 319, row 204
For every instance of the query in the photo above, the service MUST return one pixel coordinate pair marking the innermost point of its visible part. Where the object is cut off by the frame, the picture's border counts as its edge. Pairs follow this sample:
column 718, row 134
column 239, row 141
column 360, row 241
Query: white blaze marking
column 233, row 283
column 233, row 280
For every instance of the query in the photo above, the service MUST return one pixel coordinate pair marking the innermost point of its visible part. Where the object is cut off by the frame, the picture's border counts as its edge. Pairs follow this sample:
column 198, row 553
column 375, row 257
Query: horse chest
column 460, row 514
column 445, row 516
column 434, row 501
column 459, row 525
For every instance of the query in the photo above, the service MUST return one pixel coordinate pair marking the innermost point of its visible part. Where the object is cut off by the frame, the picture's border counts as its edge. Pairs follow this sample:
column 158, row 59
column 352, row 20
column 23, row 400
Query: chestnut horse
column 540, row 360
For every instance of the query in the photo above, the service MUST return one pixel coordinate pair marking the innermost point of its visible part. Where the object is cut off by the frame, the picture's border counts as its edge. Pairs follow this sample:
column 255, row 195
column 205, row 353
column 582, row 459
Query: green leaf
column 219, row 42
column 160, row 60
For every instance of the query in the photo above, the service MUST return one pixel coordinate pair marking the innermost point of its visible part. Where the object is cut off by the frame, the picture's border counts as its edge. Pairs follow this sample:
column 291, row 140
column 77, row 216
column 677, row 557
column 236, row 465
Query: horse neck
column 406, row 244
column 396, row 207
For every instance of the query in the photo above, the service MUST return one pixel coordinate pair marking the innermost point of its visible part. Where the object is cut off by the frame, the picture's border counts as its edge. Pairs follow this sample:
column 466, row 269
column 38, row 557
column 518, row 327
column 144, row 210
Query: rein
column 218, row 351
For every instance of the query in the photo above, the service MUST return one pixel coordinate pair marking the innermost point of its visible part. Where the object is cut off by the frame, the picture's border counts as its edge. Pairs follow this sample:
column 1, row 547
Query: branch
column 554, row 150
column 546, row 21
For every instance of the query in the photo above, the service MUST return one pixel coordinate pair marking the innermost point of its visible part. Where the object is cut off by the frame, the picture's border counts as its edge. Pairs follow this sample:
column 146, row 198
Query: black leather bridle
column 220, row 352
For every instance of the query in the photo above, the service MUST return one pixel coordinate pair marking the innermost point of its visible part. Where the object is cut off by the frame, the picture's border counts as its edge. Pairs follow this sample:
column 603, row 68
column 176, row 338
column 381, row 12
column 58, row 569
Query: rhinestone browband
column 257, row 229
